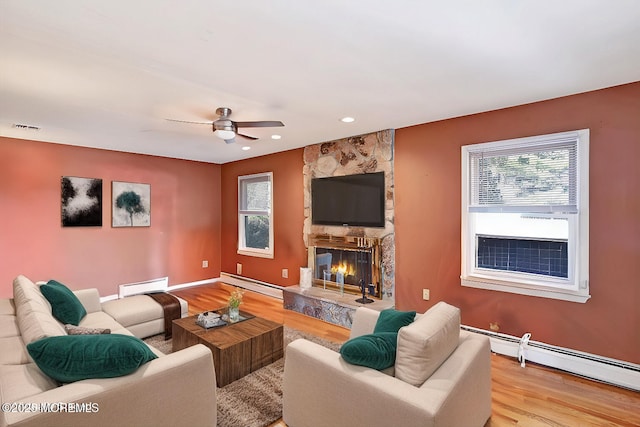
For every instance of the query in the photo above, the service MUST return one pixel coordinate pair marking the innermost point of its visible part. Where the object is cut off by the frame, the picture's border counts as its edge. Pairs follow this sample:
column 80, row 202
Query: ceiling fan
column 227, row 129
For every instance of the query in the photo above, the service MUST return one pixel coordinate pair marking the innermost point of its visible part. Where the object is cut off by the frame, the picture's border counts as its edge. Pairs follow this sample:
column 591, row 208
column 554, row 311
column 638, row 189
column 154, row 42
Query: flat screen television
column 351, row 200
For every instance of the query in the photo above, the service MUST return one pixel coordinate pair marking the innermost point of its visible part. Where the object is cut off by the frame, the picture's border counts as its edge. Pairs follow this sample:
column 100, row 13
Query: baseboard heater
column 604, row 369
column 153, row 285
column 252, row 284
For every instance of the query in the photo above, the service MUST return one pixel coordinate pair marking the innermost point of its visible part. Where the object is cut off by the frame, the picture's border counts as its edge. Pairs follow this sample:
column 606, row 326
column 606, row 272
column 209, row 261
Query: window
column 525, row 216
column 255, row 218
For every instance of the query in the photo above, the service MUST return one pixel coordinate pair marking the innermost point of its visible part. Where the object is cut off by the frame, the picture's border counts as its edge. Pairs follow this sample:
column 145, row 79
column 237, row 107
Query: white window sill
column 258, row 254
column 524, row 290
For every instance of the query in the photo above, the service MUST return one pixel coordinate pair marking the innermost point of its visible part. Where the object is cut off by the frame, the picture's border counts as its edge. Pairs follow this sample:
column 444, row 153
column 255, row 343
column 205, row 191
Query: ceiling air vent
column 26, row 127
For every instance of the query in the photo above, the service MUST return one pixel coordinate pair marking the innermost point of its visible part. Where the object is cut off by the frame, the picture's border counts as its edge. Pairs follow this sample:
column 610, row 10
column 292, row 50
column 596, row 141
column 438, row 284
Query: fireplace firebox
column 346, row 263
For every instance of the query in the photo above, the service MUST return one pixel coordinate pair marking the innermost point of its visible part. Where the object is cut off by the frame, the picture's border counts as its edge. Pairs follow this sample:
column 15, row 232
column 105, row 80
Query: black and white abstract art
column 81, row 202
column 131, row 204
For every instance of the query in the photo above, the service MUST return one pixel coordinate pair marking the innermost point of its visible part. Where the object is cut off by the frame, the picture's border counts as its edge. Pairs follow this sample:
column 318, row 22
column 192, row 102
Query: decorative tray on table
column 210, row 319
column 217, row 318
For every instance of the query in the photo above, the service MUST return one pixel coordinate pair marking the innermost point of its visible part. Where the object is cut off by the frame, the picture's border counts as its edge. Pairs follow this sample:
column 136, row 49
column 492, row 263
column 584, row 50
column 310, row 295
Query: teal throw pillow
column 65, row 306
column 70, row 358
column 392, row 320
column 376, row 351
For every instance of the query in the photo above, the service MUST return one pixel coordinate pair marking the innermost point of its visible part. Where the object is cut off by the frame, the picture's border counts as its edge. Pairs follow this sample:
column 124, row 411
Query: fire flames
column 344, row 268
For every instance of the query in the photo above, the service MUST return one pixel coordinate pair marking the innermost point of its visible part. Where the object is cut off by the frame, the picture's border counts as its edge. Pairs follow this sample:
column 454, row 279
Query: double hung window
column 525, row 216
column 255, row 217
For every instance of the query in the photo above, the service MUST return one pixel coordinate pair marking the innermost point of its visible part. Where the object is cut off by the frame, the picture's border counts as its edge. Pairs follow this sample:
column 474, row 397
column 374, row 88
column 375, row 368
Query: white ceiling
column 107, row 74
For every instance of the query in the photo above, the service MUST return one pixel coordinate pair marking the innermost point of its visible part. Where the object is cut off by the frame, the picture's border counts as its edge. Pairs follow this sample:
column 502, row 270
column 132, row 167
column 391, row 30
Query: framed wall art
column 131, row 204
column 81, row 201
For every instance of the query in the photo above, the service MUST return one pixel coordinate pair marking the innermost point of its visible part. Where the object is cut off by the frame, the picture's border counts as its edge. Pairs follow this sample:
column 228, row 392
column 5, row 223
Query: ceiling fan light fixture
column 224, row 134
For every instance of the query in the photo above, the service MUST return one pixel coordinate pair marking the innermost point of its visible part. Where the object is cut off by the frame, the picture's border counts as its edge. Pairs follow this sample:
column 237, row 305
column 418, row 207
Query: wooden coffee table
column 238, row 348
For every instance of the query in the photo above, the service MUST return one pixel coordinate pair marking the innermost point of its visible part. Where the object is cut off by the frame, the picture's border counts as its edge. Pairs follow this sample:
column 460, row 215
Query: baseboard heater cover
column 252, row 284
column 153, row 285
column 599, row 368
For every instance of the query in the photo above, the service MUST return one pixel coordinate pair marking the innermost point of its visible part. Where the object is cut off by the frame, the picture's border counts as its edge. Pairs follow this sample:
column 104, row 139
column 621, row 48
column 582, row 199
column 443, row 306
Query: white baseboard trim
column 599, row 368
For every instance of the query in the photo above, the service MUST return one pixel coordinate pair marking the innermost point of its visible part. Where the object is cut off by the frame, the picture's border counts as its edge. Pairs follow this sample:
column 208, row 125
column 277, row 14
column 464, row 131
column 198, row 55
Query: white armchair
column 320, row 388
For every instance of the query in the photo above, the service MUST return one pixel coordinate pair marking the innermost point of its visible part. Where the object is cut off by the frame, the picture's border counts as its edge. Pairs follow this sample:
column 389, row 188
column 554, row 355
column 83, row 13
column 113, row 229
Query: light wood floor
column 530, row 396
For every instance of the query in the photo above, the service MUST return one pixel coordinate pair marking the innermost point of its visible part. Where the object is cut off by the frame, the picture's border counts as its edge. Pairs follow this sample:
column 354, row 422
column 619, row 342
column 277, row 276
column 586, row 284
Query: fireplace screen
column 345, row 269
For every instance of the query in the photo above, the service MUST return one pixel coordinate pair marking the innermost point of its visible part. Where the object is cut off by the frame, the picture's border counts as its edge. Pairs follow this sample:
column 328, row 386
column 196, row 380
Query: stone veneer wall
column 372, row 152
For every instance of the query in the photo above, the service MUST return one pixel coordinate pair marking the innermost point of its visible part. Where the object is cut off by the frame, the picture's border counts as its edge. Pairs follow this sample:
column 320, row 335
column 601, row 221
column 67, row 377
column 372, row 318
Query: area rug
column 254, row 400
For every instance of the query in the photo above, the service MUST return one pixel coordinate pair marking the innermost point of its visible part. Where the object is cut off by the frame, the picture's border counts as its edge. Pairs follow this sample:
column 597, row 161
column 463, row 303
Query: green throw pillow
column 70, row 358
column 376, row 351
column 65, row 306
column 391, row 320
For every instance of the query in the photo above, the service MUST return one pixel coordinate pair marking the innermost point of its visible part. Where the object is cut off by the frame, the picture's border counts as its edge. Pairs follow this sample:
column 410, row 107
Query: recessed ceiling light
column 347, row 119
column 276, row 136
column 246, row 148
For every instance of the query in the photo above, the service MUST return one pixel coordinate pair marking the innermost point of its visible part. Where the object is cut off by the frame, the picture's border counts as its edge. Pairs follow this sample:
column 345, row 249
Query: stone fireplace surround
column 367, row 153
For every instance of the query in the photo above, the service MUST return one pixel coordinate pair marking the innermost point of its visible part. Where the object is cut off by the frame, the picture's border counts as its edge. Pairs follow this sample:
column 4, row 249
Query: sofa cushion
column 18, row 382
column 7, row 307
column 377, row 351
column 66, row 307
column 8, row 326
column 391, row 320
column 13, row 351
column 25, row 291
column 77, row 357
column 103, row 320
column 81, row 330
column 426, row 343
column 36, row 323
column 133, row 310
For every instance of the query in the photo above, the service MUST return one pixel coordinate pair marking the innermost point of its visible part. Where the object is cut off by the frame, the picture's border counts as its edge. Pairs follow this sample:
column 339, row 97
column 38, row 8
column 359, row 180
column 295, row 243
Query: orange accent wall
column 288, row 215
column 428, row 203
column 185, row 219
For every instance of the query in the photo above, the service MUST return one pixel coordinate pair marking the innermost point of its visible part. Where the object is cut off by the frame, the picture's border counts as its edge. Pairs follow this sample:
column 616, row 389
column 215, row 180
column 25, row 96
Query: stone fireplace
column 346, row 263
column 370, row 251
column 360, row 254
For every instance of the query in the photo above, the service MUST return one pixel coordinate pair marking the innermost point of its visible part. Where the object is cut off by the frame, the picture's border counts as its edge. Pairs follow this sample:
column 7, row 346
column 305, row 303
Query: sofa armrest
column 321, row 389
column 176, row 389
column 90, row 299
column 364, row 321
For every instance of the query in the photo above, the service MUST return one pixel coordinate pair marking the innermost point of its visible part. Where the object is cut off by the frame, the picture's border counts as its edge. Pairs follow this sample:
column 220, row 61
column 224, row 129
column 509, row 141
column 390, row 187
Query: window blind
column 525, row 177
column 255, row 195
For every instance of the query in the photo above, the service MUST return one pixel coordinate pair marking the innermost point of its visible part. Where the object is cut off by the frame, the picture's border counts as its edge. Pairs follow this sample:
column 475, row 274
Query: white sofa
column 174, row 389
column 320, row 388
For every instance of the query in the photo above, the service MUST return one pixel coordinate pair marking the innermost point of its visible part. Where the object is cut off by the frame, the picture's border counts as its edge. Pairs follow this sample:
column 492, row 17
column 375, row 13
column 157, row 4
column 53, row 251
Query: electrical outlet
column 285, row 273
column 425, row 294
column 238, row 268
column 205, row 263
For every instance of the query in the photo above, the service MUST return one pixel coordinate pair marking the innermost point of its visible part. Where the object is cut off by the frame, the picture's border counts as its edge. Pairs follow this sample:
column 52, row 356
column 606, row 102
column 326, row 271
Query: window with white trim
column 525, row 216
column 255, row 218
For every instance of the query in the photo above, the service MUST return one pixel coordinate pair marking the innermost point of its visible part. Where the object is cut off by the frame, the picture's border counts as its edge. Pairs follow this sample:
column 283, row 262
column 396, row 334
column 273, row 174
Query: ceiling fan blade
column 188, row 121
column 253, row 138
column 259, row 124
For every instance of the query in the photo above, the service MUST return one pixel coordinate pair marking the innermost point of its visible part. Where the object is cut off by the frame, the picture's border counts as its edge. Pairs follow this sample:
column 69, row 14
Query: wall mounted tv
column 351, row 200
